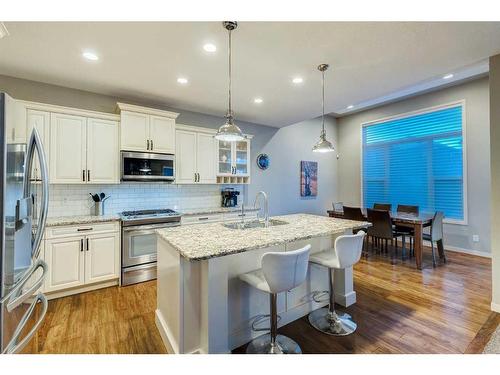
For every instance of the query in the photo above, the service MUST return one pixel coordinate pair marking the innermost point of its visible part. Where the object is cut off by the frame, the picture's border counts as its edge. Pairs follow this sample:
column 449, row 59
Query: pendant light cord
column 230, row 113
column 323, row 100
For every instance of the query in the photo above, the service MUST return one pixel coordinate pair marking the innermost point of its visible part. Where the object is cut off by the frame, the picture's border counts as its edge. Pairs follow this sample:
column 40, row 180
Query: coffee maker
column 229, row 197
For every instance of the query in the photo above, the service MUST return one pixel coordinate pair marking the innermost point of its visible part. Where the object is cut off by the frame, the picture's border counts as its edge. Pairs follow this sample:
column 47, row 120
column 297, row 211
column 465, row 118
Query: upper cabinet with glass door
column 233, row 162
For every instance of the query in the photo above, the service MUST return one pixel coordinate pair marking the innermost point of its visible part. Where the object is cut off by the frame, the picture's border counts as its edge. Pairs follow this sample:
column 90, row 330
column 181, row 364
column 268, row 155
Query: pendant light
column 323, row 145
column 229, row 132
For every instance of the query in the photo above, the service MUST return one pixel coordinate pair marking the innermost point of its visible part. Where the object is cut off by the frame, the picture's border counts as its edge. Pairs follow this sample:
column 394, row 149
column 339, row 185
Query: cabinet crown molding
column 53, row 108
column 146, row 110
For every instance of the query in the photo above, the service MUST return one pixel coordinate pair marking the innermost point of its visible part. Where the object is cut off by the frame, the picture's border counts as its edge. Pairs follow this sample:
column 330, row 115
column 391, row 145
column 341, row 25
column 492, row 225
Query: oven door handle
column 148, row 227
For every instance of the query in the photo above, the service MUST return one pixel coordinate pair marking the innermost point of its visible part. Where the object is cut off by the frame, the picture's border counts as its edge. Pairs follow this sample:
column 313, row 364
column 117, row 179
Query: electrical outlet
column 475, row 238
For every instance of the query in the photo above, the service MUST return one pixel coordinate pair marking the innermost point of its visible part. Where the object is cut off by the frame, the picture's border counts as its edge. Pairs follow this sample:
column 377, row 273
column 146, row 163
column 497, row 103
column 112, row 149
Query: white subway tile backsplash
column 68, row 200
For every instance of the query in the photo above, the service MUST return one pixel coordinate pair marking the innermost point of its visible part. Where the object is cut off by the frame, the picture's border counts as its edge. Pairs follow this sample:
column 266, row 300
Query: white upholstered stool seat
column 257, row 280
column 327, row 259
column 281, row 271
column 346, row 253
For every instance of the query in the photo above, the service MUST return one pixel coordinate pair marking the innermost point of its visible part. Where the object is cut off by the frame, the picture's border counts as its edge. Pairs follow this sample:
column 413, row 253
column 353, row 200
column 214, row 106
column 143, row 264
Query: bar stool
column 346, row 252
column 281, row 271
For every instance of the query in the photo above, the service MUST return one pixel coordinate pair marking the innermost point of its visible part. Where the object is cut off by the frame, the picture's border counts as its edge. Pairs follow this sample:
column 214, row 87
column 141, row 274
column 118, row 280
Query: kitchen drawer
column 235, row 216
column 201, row 219
column 82, row 229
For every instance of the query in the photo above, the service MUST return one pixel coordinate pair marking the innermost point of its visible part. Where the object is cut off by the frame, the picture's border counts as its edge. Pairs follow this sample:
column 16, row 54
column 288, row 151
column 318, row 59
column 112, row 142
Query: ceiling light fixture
column 323, row 145
column 90, row 56
column 448, row 76
column 229, row 132
column 182, row 80
column 350, row 106
column 209, row 47
column 297, row 80
column 258, row 100
column 3, row 31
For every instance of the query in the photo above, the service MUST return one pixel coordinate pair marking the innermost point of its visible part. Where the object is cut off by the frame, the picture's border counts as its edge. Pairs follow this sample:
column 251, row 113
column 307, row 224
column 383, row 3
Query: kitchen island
column 202, row 304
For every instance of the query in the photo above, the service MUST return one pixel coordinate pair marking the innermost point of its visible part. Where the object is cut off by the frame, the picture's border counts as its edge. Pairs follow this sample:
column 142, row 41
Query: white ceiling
column 143, row 60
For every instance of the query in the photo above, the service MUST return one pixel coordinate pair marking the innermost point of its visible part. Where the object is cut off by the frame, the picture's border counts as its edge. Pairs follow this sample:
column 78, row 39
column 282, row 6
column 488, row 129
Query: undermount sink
column 254, row 224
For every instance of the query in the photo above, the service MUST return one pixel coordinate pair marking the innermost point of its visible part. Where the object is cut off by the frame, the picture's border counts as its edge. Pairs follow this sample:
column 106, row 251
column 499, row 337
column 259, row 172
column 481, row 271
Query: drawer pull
column 203, row 218
column 84, row 229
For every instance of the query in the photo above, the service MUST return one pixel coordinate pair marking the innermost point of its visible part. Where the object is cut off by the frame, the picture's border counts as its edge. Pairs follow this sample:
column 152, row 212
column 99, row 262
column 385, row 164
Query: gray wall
column 476, row 94
column 285, row 146
column 495, row 178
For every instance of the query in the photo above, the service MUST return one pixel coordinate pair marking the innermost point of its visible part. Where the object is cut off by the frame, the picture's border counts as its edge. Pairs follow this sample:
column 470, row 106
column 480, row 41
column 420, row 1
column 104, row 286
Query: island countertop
column 205, row 241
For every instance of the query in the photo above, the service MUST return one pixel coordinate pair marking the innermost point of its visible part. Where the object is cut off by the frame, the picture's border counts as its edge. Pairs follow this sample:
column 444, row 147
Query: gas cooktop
column 150, row 216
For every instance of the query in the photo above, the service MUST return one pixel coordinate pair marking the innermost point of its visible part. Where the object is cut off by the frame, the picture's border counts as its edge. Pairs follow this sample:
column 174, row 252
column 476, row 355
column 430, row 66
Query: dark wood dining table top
column 403, row 217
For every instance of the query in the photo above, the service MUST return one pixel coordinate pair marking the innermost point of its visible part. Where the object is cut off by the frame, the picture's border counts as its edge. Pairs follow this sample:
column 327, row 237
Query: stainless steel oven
column 147, row 166
column 139, row 242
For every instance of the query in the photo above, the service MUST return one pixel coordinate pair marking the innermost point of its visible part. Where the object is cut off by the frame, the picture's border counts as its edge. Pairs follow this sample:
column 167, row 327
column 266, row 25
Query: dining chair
column 381, row 229
column 405, row 231
column 353, row 213
column 382, row 206
column 436, row 234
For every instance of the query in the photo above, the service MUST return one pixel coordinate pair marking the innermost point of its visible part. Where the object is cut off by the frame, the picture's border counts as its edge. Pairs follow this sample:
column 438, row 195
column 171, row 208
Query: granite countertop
column 217, row 210
column 81, row 219
column 199, row 242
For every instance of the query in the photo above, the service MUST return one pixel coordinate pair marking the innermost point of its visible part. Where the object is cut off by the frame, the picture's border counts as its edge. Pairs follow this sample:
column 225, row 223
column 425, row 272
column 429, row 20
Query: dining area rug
column 493, row 346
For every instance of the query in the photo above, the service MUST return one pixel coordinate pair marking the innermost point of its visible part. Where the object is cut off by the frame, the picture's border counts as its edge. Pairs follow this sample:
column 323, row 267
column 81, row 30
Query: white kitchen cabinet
column 78, row 256
column 83, row 150
column 15, row 120
column 65, row 259
column 195, row 156
column 102, row 257
column 146, row 129
column 41, row 121
column 162, row 134
column 233, row 158
column 185, row 156
column 102, row 151
column 205, row 156
column 68, row 144
column 134, row 131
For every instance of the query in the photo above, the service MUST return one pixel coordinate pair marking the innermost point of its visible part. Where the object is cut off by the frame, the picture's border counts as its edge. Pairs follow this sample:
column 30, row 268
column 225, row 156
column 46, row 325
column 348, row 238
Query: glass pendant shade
column 323, row 145
column 229, row 132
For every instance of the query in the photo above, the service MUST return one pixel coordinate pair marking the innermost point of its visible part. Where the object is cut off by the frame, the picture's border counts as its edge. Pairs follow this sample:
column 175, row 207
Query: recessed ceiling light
column 350, row 106
column 258, row 100
column 3, row 30
column 182, row 80
column 209, row 47
column 448, row 76
column 90, row 56
column 297, row 80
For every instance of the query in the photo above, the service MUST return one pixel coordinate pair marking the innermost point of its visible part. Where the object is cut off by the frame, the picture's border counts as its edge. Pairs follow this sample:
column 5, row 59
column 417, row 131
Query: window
column 417, row 159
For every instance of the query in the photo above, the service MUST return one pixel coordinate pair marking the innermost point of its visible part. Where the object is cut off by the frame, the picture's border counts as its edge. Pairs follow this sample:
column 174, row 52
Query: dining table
column 417, row 222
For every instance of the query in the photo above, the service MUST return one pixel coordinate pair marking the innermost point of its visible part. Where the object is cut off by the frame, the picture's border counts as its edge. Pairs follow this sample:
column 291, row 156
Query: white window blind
column 416, row 160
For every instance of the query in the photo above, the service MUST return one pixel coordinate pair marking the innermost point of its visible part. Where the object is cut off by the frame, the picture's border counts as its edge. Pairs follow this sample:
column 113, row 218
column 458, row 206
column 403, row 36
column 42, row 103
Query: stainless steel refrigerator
column 22, row 305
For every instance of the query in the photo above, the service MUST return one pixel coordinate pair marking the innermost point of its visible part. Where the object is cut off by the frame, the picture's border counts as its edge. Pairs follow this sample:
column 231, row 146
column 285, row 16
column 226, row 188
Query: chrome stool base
column 284, row 345
column 335, row 325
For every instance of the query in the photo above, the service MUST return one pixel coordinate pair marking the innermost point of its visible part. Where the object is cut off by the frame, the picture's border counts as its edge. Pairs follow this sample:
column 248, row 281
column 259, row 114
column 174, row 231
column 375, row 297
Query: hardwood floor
column 402, row 310
column 111, row 320
column 398, row 310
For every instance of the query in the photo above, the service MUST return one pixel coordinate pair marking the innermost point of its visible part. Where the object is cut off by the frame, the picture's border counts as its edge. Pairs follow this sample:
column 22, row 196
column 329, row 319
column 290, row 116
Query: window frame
column 459, row 103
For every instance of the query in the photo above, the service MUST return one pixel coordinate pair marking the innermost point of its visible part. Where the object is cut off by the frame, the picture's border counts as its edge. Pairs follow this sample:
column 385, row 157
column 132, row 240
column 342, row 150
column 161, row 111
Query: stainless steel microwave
column 147, row 166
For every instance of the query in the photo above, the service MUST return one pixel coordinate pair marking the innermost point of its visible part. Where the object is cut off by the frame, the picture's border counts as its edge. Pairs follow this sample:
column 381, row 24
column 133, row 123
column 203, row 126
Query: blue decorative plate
column 263, row 161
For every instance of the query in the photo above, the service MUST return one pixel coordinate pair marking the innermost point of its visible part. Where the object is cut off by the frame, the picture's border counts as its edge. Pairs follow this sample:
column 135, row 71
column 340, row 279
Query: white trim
column 147, row 110
column 495, row 307
column 456, row 103
column 166, row 334
column 68, row 110
column 81, row 289
column 470, row 72
column 466, row 251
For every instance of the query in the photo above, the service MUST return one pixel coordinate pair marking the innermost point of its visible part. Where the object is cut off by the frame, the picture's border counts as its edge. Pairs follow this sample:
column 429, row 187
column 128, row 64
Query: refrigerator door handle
column 14, row 300
column 35, row 143
column 14, row 346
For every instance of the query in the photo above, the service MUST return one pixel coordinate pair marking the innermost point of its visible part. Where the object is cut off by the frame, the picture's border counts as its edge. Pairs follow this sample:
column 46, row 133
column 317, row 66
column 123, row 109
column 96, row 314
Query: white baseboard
column 495, row 307
column 462, row 250
column 165, row 333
